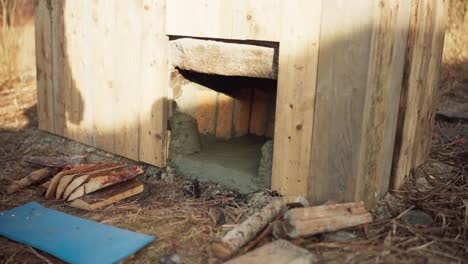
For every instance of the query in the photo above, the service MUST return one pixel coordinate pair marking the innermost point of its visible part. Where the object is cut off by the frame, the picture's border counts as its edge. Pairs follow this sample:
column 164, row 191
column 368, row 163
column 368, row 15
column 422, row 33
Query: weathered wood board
column 419, row 89
column 359, row 77
column 103, row 76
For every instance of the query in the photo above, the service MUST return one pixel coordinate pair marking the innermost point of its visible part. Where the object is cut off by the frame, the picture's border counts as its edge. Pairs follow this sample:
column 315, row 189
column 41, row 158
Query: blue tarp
column 70, row 238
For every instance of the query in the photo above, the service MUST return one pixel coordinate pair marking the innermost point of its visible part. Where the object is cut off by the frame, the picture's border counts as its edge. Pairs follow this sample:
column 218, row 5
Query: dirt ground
column 185, row 215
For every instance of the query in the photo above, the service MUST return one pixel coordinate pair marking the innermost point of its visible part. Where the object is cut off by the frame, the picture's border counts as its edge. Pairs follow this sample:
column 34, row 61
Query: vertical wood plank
column 154, row 84
column 387, row 52
column 43, row 31
column 76, row 17
column 127, row 61
column 425, row 42
column 426, row 119
column 242, row 105
column 346, row 30
column 295, row 104
column 103, row 76
column 270, row 129
column 58, row 75
column 224, row 116
column 206, row 111
column 259, row 114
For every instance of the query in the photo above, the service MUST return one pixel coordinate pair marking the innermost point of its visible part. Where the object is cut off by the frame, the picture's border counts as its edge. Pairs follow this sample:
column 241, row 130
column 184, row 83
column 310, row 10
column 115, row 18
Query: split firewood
column 56, row 162
column 95, row 183
column 34, row 177
column 112, row 194
column 278, row 251
column 299, row 222
column 239, row 236
column 51, row 190
column 78, row 181
column 102, row 170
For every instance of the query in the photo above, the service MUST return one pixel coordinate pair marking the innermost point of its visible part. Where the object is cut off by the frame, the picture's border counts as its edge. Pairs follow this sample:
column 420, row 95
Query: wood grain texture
column 346, row 30
column 224, row 117
column 242, row 106
column 228, row 19
column 153, row 84
column 299, row 222
column 387, row 53
column 45, row 99
column 206, row 111
column 295, row 104
column 109, row 195
column 416, row 110
column 360, row 73
column 105, row 68
column 59, row 93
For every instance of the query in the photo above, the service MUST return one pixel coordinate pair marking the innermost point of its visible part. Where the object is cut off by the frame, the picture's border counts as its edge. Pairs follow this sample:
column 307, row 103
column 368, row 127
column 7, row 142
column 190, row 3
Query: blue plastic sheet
column 70, row 238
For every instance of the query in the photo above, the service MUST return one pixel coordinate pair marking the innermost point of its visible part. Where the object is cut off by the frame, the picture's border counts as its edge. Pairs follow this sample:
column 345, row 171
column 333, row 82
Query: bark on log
column 57, row 162
column 109, row 195
column 308, row 221
column 222, row 58
column 52, row 188
column 34, row 177
column 237, row 237
column 97, row 182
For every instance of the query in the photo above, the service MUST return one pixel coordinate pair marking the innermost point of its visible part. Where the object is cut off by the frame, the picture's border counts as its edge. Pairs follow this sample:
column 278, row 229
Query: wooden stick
column 237, row 237
column 34, row 177
column 56, row 162
column 300, row 222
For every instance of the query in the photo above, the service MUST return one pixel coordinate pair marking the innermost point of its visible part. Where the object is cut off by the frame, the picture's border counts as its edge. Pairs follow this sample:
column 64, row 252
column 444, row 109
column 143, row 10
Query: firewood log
column 95, row 183
column 237, row 237
column 68, row 178
column 52, row 188
column 34, row 177
column 108, row 195
column 299, row 222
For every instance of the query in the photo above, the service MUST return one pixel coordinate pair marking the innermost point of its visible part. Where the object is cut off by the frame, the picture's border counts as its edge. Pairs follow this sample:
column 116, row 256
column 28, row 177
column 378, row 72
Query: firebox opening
column 222, row 126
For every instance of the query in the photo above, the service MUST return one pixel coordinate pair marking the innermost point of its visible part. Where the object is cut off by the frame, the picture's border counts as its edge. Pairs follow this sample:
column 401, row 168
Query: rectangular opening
column 222, row 119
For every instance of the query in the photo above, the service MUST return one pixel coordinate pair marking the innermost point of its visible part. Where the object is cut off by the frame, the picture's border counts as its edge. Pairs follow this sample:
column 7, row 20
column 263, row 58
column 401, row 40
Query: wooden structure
column 343, row 66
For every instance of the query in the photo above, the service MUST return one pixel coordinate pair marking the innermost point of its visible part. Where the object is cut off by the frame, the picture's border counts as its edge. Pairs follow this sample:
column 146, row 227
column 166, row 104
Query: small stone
column 90, row 149
column 417, row 217
column 170, row 259
column 339, row 236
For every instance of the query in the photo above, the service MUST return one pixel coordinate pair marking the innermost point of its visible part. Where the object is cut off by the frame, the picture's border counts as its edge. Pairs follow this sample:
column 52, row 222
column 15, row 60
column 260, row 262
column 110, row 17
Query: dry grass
column 9, row 43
